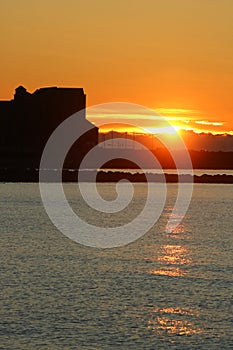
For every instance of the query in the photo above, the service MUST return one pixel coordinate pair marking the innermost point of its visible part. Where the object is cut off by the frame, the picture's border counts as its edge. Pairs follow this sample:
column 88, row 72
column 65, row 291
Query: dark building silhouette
column 27, row 121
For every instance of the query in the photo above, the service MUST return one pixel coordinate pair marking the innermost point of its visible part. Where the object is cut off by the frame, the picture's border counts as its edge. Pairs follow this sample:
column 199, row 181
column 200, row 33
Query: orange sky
column 174, row 56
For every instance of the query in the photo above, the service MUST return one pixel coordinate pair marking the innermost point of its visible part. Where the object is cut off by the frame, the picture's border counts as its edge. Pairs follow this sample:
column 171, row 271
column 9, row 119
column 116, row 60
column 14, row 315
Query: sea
column 163, row 291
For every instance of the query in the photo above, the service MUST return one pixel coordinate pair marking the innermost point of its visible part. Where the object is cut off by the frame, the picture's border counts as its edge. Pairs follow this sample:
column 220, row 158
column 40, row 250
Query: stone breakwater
column 32, row 175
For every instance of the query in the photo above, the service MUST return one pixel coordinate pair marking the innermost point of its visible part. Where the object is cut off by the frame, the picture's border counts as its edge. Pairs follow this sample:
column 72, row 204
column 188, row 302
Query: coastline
column 71, row 175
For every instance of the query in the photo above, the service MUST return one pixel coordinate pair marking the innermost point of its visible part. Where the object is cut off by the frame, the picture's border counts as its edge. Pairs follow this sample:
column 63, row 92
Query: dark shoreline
column 28, row 175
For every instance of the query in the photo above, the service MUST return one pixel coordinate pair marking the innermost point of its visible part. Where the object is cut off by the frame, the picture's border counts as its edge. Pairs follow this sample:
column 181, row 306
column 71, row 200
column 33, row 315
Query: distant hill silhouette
column 200, row 159
column 192, row 140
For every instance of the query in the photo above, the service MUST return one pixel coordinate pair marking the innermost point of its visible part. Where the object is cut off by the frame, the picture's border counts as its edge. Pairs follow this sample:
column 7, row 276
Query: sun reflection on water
column 179, row 232
column 174, row 255
column 179, row 327
column 173, row 272
column 166, row 320
column 177, row 311
column 174, row 259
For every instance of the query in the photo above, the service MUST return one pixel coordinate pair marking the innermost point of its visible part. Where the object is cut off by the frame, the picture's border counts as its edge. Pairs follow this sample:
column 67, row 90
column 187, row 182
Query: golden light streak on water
column 168, row 320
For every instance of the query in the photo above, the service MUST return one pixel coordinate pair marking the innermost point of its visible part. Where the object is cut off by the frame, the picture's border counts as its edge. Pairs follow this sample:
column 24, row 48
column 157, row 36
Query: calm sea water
column 164, row 291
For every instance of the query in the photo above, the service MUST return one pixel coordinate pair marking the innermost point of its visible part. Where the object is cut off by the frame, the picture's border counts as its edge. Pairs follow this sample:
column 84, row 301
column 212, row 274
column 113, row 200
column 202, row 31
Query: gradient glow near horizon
column 173, row 56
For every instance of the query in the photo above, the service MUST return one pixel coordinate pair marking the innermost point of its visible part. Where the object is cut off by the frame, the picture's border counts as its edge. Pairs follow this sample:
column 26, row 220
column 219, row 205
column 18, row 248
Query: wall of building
column 27, row 121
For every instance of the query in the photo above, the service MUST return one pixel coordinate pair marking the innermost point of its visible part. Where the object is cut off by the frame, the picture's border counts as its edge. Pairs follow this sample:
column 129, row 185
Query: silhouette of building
column 27, row 121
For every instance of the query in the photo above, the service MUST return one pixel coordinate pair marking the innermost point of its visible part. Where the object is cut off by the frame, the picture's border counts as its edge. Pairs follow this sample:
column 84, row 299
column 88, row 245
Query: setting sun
column 169, row 130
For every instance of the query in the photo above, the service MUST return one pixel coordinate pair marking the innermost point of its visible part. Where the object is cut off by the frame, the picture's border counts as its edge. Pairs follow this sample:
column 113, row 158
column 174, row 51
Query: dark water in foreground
column 165, row 291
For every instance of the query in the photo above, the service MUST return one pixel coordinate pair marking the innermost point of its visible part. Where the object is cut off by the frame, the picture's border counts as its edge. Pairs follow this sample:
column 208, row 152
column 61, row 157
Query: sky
column 172, row 56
